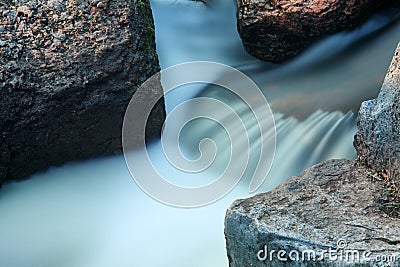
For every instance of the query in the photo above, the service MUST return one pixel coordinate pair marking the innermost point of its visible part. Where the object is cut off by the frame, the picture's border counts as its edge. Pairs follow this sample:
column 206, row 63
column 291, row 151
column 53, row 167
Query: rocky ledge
column 277, row 30
column 67, row 72
column 333, row 214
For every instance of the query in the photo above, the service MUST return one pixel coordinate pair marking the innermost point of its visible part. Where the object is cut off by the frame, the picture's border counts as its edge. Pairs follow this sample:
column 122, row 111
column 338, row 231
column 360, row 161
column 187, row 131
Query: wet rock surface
column 67, row 72
column 338, row 205
column 277, row 30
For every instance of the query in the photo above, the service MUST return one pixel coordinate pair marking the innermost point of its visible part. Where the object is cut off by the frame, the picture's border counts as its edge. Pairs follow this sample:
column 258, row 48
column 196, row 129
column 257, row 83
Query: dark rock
column 66, row 78
column 330, row 205
column 277, row 30
column 378, row 138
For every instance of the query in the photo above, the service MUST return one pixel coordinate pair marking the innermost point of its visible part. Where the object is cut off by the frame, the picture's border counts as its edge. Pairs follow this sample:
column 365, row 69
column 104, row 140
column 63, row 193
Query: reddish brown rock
column 277, row 30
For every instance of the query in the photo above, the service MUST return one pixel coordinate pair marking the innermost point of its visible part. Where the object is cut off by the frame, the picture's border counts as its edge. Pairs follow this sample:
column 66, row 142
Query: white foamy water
column 92, row 214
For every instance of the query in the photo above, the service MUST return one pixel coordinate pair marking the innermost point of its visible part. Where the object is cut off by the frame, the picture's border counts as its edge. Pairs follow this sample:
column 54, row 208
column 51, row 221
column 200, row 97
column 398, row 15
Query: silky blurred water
column 92, row 214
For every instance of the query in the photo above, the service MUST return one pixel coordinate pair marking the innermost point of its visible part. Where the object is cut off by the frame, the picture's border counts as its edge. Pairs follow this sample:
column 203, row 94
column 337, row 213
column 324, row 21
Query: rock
column 23, row 10
column 330, row 206
column 101, row 5
column 59, row 36
column 338, row 205
column 277, row 30
column 378, row 138
column 66, row 79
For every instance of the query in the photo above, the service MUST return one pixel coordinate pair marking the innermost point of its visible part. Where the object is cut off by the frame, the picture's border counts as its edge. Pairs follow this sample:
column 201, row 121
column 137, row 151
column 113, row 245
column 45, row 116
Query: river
column 92, row 214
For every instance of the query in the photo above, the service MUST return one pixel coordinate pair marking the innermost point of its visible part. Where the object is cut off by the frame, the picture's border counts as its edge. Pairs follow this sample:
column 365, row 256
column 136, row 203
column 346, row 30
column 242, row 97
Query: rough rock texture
column 378, row 138
column 277, row 30
column 329, row 202
column 333, row 203
column 67, row 72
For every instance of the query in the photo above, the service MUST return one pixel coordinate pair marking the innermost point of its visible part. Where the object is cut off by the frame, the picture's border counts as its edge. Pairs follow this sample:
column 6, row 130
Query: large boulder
column 67, row 72
column 277, row 30
column 330, row 207
column 341, row 205
column 378, row 138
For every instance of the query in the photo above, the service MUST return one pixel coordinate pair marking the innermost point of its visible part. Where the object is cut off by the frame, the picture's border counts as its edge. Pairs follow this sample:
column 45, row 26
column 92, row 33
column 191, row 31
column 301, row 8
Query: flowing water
column 93, row 214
